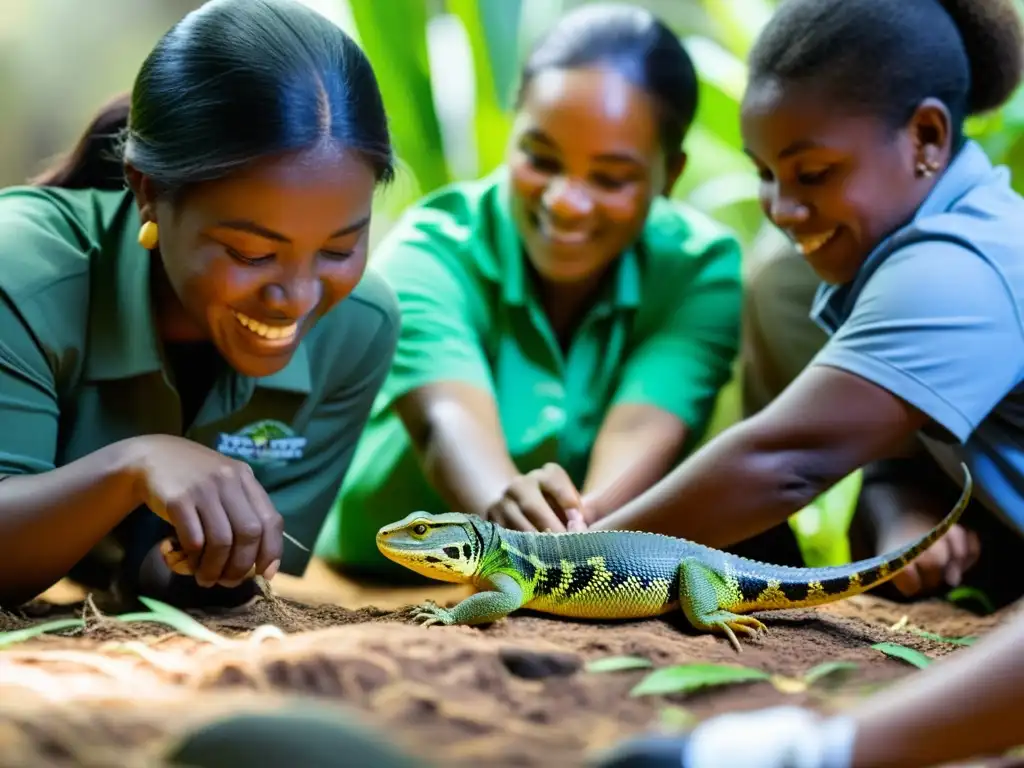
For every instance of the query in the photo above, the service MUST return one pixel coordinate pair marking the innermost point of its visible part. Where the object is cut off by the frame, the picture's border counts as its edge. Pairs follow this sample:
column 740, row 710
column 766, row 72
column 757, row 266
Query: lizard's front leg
column 701, row 592
column 480, row 608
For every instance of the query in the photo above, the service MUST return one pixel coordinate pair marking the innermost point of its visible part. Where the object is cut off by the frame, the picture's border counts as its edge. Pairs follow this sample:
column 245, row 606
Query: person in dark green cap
column 190, row 343
column 566, row 327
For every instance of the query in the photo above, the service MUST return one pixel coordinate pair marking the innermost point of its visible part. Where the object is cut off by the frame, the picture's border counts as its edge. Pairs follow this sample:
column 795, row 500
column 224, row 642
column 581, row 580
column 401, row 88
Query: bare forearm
column 965, row 706
column 733, row 488
column 620, row 470
column 468, row 467
column 49, row 521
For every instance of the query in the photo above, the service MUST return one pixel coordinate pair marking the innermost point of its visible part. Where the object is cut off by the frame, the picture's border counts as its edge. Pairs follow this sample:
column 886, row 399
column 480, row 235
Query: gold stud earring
column 149, row 235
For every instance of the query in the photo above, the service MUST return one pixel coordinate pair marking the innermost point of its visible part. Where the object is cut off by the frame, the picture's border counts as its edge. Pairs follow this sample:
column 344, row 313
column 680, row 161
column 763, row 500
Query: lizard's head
column 446, row 547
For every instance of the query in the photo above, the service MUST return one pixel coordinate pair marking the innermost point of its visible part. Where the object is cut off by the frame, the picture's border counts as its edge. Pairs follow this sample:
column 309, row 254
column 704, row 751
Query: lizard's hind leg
column 702, row 592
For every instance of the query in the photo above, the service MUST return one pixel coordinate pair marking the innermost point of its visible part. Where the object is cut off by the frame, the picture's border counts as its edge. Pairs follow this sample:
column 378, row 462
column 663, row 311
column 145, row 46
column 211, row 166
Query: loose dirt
column 517, row 693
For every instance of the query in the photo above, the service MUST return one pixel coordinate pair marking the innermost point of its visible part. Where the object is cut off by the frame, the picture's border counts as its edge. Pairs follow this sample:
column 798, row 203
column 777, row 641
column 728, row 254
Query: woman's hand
column 902, row 510
column 942, row 564
column 544, row 499
column 225, row 522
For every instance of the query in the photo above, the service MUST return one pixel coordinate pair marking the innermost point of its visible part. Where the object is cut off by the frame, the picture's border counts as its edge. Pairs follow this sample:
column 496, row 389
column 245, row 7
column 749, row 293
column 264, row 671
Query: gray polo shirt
column 934, row 316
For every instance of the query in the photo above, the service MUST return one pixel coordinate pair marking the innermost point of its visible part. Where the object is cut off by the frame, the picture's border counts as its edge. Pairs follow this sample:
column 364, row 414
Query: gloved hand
column 780, row 737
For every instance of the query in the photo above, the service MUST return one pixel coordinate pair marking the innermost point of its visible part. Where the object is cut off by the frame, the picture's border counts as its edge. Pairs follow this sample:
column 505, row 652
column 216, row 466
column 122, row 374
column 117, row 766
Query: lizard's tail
column 806, row 587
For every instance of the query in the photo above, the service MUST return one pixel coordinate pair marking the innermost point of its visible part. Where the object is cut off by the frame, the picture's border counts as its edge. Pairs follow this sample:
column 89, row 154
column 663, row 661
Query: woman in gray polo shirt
column 916, row 237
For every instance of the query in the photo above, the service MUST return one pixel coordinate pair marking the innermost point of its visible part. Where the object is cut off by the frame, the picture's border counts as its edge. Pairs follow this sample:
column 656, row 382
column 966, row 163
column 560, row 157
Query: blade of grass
column 21, row 635
column 903, row 653
column 179, row 620
column 686, row 678
column 618, row 663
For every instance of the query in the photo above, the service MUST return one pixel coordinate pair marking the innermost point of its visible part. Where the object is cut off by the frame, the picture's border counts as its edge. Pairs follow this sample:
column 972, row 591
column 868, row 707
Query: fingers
column 964, row 547
column 507, row 514
column 246, row 532
column 219, row 537
column 908, row 581
column 525, row 493
column 575, row 521
column 928, row 572
column 271, row 545
column 555, row 482
column 956, row 540
column 542, row 498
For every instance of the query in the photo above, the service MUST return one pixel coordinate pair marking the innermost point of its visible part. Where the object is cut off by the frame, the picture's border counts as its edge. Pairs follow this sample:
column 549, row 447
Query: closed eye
column 239, row 256
column 815, row 176
column 337, row 255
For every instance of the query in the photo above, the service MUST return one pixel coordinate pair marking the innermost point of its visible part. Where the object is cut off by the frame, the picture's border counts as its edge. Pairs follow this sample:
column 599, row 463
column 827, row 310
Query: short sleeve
column 28, row 399
column 937, row 326
column 684, row 359
column 441, row 337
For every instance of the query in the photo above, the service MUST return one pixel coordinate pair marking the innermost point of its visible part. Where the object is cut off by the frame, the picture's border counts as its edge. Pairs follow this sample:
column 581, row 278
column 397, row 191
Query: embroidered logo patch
column 264, row 442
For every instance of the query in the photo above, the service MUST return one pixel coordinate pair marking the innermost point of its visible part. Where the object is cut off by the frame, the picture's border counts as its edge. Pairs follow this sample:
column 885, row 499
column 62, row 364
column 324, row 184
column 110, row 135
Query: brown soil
column 512, row 694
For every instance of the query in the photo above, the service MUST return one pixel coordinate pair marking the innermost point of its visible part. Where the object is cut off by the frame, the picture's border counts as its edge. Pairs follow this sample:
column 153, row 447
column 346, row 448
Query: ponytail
column 95, row 161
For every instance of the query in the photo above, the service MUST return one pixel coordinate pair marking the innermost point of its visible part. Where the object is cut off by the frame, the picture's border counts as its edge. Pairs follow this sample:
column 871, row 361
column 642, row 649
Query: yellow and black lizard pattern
column 623, row 574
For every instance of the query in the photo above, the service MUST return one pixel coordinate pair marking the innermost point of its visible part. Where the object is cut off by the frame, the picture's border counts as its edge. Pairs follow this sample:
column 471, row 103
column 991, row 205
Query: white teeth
column 808, row 245
column 552, row 232
column 274, row 332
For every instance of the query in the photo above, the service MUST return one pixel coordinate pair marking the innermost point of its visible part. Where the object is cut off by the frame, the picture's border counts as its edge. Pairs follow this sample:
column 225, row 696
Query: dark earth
column 516, row 693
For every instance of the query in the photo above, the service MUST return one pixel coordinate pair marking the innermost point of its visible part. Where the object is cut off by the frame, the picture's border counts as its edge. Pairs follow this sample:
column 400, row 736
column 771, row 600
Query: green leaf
column 686, row 678
column 969, row 640
column 397, row 49
column 828, row 669
column 179, row 620
column 963, row 594
column 21, row 635
column 738, row 22
column 618, row 663
column 903, row 653
column 493, row 123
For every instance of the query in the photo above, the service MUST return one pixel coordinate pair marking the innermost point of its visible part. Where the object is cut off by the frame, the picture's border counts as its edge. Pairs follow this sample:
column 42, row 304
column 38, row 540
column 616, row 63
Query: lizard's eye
column 419, row 530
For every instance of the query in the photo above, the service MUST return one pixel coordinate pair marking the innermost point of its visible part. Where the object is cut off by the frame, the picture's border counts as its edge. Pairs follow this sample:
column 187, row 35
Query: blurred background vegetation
column 448, row 70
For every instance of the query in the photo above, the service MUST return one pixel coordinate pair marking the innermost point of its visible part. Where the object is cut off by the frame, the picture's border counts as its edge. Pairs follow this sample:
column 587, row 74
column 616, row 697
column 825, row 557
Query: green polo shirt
column 664, row 333
column 81, row 365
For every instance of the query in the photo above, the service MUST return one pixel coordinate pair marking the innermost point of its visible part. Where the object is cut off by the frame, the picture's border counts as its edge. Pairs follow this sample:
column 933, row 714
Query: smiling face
column 586, row 162
column 255, row 259
column 835, row 182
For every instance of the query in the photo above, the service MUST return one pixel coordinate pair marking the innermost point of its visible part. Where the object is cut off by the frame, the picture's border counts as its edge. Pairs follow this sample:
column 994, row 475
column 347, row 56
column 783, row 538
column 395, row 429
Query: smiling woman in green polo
column 195, row 356
column 566, row 328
